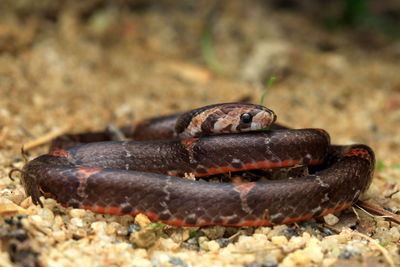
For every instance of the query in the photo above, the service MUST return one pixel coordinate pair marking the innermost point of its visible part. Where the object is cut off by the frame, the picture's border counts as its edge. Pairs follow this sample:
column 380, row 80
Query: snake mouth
column 273, row 116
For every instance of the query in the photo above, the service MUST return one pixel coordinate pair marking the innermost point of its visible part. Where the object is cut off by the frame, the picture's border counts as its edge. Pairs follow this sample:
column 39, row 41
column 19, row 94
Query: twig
column 383, row 250
column 365, row 206
column 46, row 138
column 356, row 213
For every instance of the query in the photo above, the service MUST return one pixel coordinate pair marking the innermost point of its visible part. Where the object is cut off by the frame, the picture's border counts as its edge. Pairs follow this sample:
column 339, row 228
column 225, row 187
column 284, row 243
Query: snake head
column 224, row 118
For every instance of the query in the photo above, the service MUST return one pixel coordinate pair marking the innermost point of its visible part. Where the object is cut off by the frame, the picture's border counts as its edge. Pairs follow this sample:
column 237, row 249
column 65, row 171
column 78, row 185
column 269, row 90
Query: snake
column 93, row 171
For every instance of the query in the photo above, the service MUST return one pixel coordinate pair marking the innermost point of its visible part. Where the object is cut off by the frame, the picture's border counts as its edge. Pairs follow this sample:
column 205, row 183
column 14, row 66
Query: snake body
column 127, row 177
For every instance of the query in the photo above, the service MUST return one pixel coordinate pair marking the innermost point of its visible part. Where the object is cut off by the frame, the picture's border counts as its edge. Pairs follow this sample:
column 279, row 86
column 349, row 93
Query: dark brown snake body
column 125, row 177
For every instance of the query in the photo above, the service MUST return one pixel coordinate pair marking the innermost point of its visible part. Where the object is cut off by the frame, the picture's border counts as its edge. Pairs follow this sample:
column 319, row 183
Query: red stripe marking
column 257, row 165
column 104, row 210
column 358, row 152
column 188, row 142
column 86, row 172
column 59, row 153
column 337, row 208
column 301, row 218
column 243, row 188
column 181, row 222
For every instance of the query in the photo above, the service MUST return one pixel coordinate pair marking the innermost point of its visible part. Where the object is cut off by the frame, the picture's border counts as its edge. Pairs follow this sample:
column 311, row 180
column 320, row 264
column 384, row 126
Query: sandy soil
column 75, row 68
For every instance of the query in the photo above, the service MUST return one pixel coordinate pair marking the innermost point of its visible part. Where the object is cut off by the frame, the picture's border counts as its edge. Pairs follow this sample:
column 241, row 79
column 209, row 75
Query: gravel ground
column 69, row 67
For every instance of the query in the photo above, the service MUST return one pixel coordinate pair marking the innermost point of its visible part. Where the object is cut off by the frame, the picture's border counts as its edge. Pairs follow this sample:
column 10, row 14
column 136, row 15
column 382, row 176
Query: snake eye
column 246, row 118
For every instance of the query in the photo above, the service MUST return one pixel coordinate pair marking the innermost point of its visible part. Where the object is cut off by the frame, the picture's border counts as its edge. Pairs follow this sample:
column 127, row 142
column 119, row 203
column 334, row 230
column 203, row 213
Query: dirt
column 78, row 67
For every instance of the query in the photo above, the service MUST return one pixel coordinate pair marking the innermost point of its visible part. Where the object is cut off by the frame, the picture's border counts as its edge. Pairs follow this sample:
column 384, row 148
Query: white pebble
column 159, row 258
column 112, row 228
column 47, row 216
column 77, row 213
column 314, row 248
column 142, row 220
column 213, row 245
column 296, row 241
column 263, row 230
column 329, row 242
column 279, row 240
column 141, row 263
column 36, row 219
column 59, row 236
column 203, row 242
column 77, row 222
column 168, row 244
column 99, row 227
column 331, row 219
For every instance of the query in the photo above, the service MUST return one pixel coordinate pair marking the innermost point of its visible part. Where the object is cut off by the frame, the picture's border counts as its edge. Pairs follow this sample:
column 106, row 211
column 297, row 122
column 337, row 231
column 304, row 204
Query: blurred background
column 79, row 65
column 74, row 66
column 95, row 62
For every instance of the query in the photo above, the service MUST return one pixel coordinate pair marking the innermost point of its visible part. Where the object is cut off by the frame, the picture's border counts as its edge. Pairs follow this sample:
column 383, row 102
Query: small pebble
column 50, row 203
column 384, row 224
column 178, row 262
column 191, row 244
column 296, row 242
column 58, row 223
column 133, row 228
column 386, row 234
column 203, row 242
column 59, row 236
column 142, row 220
column 26, row 203
column 349, row 253
column 213, row 245
column 99, row 227
column 36, row 219
column 263, row 230
column 276, row 230
column 168, row 244
column 331, row 219
column 214, row 232
column 395, row 232
column 122, row 231
column 296, row 258
column 314, row 248
column 329, row 243
column 141, row 263
column 160, row 258
column 253, row 243
column 279, row 240
column 79, row 233
column 112, row 228
column 77, row 213
column 306, row 237
column 7, row 207
column 125, row 220
column 16, row 195
column 223, row 242
column 77, row 222
column 144, row 238
column 47, row 217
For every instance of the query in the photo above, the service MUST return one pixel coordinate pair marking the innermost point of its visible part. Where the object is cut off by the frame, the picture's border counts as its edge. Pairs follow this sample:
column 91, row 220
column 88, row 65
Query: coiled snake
column 131, row 177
